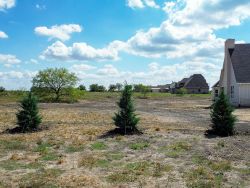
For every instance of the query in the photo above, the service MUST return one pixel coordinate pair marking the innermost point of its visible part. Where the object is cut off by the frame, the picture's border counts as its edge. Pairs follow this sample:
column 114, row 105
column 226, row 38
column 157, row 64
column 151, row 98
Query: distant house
column 235, row 74
column 195, row 84
column 160, row 88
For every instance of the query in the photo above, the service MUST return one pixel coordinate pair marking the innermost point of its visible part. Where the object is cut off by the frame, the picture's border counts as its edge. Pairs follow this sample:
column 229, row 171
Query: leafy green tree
column 28, row 118
column 101, row 89
column 93, row 88
column 55, row 80
column 112, row 87
column 145, row 90
column 126, row 119
column 223, row 120
column 119, row 86
column 96, row 88
column 2, row 89
column 138, row 87
column 82, row 87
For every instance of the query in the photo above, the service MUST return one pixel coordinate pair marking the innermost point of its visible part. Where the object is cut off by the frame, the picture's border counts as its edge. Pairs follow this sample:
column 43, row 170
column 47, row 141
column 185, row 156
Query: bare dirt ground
column 72, row 151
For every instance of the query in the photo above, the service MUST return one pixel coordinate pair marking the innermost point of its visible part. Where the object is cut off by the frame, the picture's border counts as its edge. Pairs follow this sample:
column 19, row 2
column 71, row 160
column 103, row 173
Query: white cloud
column 81, row 68
column 79, row 52
column 7, row 4
column 62, row 32
column 108, row 70
column 135, row 3
column 142, row 4
column 18, row 79
column 40, row 7
column 8, row 60
column 189, row 30
column 169, row 7
column 151, row 3
column 33, row 61
column 3, row 35
column 153, row 66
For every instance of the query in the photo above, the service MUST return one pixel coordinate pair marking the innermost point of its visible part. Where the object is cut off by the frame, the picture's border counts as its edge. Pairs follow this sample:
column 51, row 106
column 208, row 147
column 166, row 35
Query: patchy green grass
column 200, row 177
column 43, row 147
column 139, row 168
column 124, row 176
column 208, row 173
column 159, row 169
column 41, row 178
column 99, row 146
column 180, row 146
column 12, row 145
column 50, row 156
column 176, row 149
column 73, row 148
column 103, row 163
column 199, row 159
column 220, row 166
column 139, row 145
column 131, row 172
column 91, row 161
column 46, row 152
column 14, row 165
column 114, row 156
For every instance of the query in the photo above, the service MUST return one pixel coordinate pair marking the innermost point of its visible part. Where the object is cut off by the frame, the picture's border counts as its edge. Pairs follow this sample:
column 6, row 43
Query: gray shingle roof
column 217, row 84
column 196, row 81
column 240, row 57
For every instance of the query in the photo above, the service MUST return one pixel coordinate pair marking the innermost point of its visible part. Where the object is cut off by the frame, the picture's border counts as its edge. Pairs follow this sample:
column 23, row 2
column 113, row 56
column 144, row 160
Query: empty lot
column 73, row 149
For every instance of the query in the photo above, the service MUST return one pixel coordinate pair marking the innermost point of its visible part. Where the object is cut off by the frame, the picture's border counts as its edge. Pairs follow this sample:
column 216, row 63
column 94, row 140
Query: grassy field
column 73, row 149
column 15, row 96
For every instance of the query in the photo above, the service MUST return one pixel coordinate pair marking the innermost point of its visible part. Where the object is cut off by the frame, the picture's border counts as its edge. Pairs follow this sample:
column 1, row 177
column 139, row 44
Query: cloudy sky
column 109, row 41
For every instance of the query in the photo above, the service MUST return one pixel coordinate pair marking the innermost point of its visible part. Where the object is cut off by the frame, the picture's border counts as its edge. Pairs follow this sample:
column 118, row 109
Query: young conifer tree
column 28, row 118
column 221, row 116
column 126, row 119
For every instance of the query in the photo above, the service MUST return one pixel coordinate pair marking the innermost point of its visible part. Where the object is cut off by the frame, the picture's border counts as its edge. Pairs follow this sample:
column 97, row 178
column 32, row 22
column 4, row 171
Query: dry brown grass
column 70, row 152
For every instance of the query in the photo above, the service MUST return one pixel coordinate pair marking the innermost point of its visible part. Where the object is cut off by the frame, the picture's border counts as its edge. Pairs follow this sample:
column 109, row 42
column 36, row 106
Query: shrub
column 125, row 119
column 182, row 91
column 221, row 116
column 74, row 94
column 2, row 89
column 28, row 117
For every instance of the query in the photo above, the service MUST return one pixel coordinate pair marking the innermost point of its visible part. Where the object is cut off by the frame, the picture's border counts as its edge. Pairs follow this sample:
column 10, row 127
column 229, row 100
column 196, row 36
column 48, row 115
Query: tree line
column 53, row 84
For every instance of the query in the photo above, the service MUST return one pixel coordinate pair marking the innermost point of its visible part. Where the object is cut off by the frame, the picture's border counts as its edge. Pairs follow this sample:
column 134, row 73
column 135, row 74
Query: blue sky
column 108, row 41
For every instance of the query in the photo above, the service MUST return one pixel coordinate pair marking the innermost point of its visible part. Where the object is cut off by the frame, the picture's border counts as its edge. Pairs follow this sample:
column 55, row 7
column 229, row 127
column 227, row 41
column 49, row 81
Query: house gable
column 240, row 58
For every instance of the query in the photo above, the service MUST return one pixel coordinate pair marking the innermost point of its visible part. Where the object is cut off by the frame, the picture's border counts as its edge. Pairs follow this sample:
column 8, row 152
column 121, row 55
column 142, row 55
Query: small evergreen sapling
column 126, row 119
column 221, row 116
column 28, row 118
